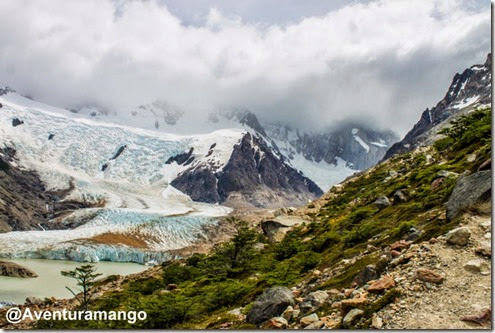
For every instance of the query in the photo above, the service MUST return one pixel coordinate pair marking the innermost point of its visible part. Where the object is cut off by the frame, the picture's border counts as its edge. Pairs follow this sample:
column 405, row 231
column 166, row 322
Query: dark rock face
column 469, row 190
column 254, row 172
column 340, row 142
column 16, row 122
column 24, row 202
column 270, row 304
column 474, row 84
column 182, row 158
column 119, row 152
column 200, row 184
column 12, row 269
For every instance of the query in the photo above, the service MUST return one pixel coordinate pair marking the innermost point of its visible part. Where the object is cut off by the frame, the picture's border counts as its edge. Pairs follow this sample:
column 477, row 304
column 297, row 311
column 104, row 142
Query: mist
column 382, row 62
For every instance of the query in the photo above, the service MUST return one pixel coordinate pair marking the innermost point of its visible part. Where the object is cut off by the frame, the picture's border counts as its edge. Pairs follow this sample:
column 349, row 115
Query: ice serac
column 254, row 174
column 467, row 91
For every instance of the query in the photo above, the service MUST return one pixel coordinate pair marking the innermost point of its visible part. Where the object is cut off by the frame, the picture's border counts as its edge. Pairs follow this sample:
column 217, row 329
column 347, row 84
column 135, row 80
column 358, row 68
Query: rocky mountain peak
column 468, row 90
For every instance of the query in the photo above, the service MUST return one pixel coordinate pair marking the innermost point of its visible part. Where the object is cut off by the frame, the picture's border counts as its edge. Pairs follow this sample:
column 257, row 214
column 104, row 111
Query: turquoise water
column 50, row 282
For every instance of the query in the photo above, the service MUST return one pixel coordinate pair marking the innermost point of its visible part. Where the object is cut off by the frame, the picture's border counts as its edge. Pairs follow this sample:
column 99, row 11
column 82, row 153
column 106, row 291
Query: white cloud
column 387, row 60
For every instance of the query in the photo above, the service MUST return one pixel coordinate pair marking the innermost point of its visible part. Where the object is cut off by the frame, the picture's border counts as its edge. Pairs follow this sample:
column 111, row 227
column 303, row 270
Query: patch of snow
column 466, row 102
column 379, row 144
column 362, row 143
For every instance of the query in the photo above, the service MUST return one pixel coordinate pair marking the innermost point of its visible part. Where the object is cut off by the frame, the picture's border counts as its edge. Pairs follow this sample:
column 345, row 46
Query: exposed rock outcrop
column 12, row 269
column 468, row 90
column 253, row 174
column 271, row 303
column 469, row 190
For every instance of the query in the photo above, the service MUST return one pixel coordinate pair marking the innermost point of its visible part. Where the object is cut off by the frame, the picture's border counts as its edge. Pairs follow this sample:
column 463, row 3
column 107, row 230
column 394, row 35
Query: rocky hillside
column 253, row 175
column 25, row 204
column 403, row 245
column 468, row 90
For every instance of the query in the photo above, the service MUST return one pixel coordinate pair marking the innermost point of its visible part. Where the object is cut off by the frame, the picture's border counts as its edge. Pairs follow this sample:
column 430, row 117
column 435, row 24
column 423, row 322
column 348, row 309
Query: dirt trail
column 462, row 293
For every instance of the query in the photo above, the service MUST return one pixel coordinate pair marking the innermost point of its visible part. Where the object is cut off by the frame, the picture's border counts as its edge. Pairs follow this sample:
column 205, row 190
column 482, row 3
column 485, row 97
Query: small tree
column 85, row 276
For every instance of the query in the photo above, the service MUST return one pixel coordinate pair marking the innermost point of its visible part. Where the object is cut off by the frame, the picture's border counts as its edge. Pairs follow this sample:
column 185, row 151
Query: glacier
column 69, row 152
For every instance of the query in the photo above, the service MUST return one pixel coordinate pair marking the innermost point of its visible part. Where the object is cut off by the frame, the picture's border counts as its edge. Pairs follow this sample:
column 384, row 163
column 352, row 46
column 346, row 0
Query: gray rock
column 459, row 236
column 288, row 313
column 315, row 326
column 399, row 197
column 413, row 234
column 474, row 266
column 305, row 321
column 275, row 231
column 382, row 202
column 306, row 307
column 469, row 190
column 376, row 322
column 485, row 249
column 270, row 304
column 367, row 274
column 317, row 298
column 33, row 301
column 351, row 317
column 393, row 173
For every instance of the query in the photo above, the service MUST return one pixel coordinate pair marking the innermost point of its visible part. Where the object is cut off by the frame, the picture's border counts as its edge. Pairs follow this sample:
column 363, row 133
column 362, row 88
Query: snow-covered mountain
column 469, row 90
column 113, row 192
column 63, row 146
column 328, row 157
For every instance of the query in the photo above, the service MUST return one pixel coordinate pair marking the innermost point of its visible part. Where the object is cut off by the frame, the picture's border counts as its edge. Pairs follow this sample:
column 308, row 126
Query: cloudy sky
column 304, row 62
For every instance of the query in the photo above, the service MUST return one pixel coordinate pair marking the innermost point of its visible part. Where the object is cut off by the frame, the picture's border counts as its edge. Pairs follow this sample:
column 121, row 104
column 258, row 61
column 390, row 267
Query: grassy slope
column 234, row 274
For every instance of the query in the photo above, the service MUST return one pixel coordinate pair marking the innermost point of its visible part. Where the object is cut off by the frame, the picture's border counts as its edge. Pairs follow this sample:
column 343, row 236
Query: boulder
column 317, row 298
column 469, row 190
column 358, row 302
column 33, row 301
column 275, row 231
column 393, row 173
column 351, row 317
column 376, row 322
column 427, row 275
column 400, row 245
column 413, row 234
column 16, row 122
column 367, row 274
column 474, row 266
column 484, row 249
column 384, row 283
column 305, row 321
column 171, row 286
column 315, row 326
column 399, row 197
column 459, row 236
column 12, row 269
column 382, row 202
column 288, row 313
column 270, row 304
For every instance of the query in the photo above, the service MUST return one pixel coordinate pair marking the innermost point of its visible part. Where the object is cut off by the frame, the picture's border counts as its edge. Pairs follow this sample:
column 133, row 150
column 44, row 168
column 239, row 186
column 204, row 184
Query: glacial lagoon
column 50, row 282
